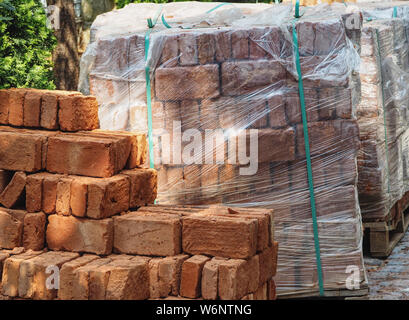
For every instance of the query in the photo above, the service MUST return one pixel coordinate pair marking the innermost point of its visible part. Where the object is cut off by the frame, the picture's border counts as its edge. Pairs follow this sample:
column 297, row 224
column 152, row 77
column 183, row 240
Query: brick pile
column 382, row 113
column 160, row 252
column 234, row 78
column 71, row 175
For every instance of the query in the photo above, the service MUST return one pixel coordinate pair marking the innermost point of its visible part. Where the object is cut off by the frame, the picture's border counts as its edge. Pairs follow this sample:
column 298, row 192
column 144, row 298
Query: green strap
column 217, row 7
column 308, row 157
column 149, row 97
column 384, row 112
column 395, row 12
column 167, row 25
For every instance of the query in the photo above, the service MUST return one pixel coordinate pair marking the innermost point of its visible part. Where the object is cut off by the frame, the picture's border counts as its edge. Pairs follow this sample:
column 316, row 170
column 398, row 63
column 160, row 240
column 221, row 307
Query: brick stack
column 382, row 113
column 71, row 177
column 234, row 78
column 160, row 253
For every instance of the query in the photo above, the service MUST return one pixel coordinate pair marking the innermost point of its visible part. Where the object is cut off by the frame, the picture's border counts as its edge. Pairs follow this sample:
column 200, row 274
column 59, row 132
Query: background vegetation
column 26, row 45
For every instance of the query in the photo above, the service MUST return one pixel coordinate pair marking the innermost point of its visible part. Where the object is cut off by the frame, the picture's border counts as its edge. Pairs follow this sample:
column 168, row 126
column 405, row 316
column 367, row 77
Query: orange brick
column 16, row 102
column 78, row 113
column 190, row 283
column 11, row 231
column 14, row 191
column 143, row 188
column 34, row 231
column 32, row 106
column 79, row 235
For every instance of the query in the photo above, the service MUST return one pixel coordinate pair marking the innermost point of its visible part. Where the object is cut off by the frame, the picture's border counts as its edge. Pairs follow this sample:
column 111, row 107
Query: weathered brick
column 14, row 191
column 169, row 271
column 143, row 186
column 240, row 44
column 34, row 192
column 138, row 142
column 63, row 201
column 11, row 272
column 147, row 234
column 187, row 49
column 266, row 262
column 154, row 282
column 121, row 279
column 233, row 281
column 79, row 235
column 21, row 151
column 191, row 278
column 32, row 105
column 96, row 157
column 16, row 102
column 206, row 48
column 49, row 112
column 219, row 236
column 34, row 231
column 78, row 113
column 67, row 275
column 293, row 107
column 34, row 274
column 261, row 293
column 49, row 194
column 11, row 228
column 199, row 82
column 210, row 275
column 277, row 116
column 4, row 106
column 274, row 144
column 241, row 77
column 169, row 57
column 222, row 44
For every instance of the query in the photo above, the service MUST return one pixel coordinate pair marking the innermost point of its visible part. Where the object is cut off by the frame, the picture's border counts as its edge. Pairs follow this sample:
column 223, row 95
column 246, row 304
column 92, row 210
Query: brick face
column 190, row 283
column 200, row 82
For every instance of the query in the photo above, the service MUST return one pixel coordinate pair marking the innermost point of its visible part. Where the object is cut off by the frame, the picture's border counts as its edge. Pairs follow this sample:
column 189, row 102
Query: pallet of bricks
column 68, row 197
column 383, row 118
column 231, row 72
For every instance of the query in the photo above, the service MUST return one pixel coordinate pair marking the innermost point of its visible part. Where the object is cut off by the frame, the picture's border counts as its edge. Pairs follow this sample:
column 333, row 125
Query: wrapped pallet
column 225, row 102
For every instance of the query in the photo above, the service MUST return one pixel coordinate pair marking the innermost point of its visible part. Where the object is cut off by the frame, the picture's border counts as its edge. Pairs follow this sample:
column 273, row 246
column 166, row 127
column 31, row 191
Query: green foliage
column 123, row 3
column 26, row 45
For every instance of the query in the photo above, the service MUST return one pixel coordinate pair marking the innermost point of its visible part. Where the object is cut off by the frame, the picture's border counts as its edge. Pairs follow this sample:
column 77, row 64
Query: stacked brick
column 160, row 252
column 71, row 176
column 382, row 113
column 233, row 79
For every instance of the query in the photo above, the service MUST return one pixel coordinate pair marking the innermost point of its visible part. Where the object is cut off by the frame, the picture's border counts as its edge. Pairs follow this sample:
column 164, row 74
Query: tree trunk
column 65, row 55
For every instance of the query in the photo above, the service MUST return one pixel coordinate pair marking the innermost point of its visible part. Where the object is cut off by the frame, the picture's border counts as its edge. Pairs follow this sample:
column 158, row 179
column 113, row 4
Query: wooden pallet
column 383, row 236
column 346, row 294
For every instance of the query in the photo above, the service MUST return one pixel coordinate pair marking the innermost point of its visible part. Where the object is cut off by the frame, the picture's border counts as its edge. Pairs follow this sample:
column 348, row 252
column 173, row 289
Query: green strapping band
column 308, row 158
column 395, row 12
column 384, row 112
column 217, row 7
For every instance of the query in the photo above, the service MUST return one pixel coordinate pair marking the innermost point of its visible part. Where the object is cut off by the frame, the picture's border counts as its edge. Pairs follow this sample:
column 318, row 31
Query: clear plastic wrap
column 227, row 122
column 383, row 111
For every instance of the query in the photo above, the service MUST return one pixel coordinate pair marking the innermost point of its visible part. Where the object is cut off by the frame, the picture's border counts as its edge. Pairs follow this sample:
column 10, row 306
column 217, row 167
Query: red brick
column 138, row 143
column 5, row 177
column 169, row 272
column 49, row 194
column 256, row 41
column 266, row 262
column 293, row 107
column 241, row 77
column 143, row 186
column 222, row 44
column 49, row 112
column 233, row 281
column 240, row 44
column 78, row 113
column 32, row 105
column 96, row 157
column 107, row 197
column 63, row 200
column 79, row 235
column 206, row 48
column 11, row 228
column 190, row 283
column 67, row 275
column 34, row 231
column 274, row 144
column 33, row 274
column 277, row 114
column 187, row 49
column 11, row 272
column 21, row 151
column 210, row 275
column 16, row 102
column 198, row 82
column 219, row 236
column 147, row 234
column 34, row 192
column 329, row 37
column 169, row 57
column 14, row 191
column 4, row 106
column 121, row 279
